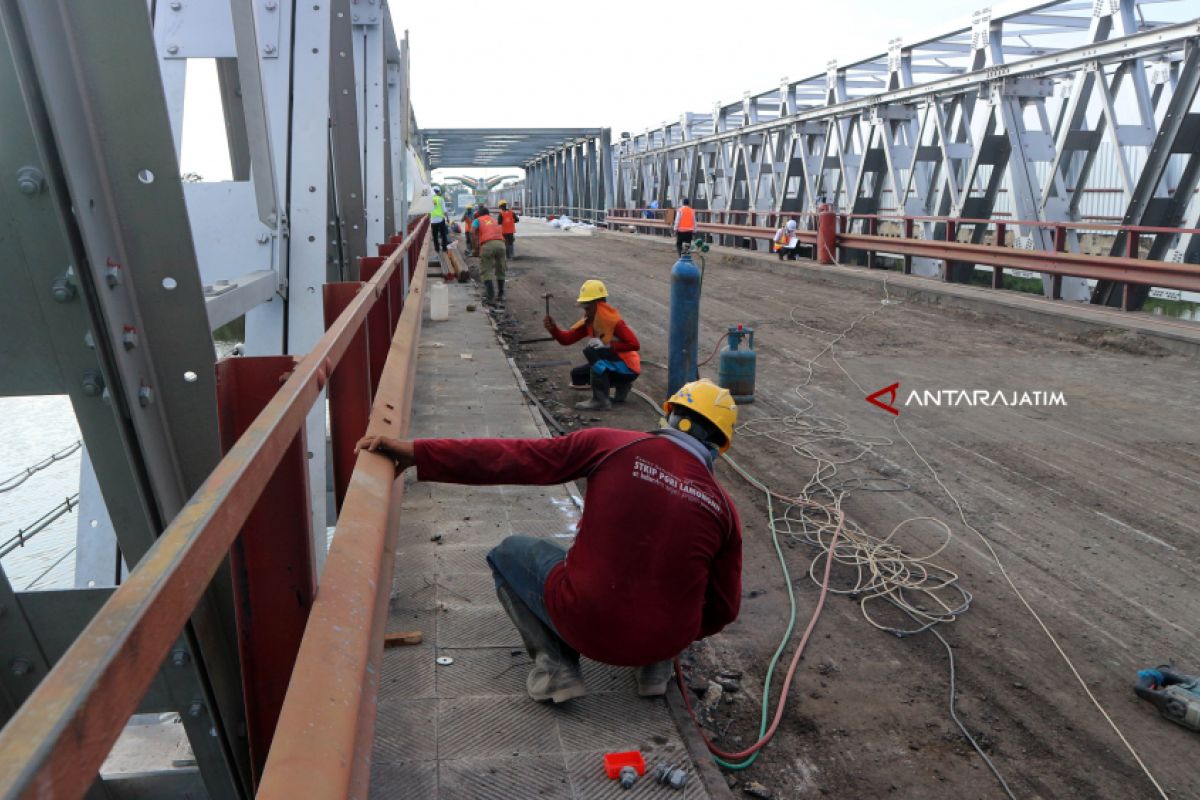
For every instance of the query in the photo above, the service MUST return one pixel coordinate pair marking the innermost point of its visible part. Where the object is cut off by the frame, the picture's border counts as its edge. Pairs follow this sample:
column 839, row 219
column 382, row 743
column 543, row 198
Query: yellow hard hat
column 710, row 401
column 592, row 290
column 503, row 203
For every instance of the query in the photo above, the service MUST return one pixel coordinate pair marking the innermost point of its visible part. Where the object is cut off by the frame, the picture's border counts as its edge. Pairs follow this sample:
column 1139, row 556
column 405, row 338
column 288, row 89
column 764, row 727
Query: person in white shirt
column 786, row 241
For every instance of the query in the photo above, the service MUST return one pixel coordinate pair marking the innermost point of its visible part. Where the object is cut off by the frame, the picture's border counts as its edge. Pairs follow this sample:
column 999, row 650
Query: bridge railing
column 879, row 236
column 316, row 742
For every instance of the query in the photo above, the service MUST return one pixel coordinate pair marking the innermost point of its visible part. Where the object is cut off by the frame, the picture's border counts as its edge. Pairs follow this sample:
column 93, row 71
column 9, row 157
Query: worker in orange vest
column 685, row 226
column 611, row 350
column 508, row 226
column 489, row 241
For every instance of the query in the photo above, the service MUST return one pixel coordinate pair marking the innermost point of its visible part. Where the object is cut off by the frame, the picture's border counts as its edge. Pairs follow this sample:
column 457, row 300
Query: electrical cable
column 23, row 535
column 9, row 484
column 48, row 569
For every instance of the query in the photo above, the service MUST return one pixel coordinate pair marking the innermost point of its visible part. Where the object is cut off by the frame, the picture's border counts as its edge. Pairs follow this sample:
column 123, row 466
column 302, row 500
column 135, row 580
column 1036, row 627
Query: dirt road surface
column 1093, row 508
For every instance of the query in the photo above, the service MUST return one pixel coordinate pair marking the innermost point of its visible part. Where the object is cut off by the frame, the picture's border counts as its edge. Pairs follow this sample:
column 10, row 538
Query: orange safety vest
column 607, row 319
column 508, row 222
column 687, row 219
column 489, row 231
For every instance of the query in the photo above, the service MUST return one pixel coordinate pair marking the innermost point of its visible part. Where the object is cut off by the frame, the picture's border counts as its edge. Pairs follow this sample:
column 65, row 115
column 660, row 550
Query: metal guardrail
column 1127, row 269
column 57, row 741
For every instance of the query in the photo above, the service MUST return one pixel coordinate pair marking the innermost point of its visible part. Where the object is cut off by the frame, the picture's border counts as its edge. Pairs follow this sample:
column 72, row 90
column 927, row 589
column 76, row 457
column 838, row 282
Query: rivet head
column 93, row 383
column 269, row 49
column 172, row 49
column 30, row 181
column 62, row 290
column 175, row 6
column 145, row 397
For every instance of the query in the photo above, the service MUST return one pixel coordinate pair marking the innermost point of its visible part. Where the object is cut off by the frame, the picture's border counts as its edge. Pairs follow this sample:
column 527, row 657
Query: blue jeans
column 522, row 563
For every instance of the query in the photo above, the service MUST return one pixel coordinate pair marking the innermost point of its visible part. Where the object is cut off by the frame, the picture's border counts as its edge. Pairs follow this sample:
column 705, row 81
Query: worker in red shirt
column 611, row 351
column 508, row 226
column 657, row 558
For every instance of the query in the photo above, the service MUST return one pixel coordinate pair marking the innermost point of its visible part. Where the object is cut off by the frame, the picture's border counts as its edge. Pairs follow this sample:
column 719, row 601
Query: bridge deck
column 467, row 730
column 1092, row 507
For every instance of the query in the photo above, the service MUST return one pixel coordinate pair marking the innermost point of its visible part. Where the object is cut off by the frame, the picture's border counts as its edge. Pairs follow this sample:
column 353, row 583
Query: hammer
column 545, row 297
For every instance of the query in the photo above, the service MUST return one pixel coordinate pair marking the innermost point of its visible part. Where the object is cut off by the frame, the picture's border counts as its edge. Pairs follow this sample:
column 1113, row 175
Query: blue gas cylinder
column 736, row 370
column 684, row 331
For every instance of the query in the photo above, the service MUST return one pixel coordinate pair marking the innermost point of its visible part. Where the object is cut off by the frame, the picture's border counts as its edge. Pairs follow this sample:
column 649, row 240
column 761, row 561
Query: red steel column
column 349, row 390
column 272, row 560
column 379, row 322
column 826, row 234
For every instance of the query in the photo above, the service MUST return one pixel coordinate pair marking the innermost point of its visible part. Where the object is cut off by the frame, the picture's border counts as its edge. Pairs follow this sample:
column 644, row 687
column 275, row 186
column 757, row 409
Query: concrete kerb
column 1071, row 319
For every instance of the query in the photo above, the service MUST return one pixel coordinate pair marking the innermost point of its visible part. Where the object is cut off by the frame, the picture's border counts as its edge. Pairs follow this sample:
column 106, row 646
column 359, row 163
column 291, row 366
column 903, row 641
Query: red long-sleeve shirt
column 624, row 339
column 657, row 559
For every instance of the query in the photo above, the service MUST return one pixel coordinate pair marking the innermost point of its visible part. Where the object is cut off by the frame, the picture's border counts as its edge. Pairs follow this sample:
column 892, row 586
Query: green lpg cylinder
column 736, row 370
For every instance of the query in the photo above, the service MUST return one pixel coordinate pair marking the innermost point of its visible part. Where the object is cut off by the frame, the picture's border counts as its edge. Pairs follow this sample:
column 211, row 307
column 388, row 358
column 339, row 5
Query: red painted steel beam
column 56, row 742
column 274, row 580
column 379, row 323
column 327, row 728
column 349, row 388
column 1147, row 273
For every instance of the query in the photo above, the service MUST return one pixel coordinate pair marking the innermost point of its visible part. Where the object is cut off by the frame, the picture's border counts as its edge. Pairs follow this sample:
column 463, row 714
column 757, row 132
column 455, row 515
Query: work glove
column 594, row 342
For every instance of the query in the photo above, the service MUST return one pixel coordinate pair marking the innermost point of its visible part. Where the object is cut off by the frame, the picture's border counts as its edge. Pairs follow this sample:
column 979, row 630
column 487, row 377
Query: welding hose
column 722, row 757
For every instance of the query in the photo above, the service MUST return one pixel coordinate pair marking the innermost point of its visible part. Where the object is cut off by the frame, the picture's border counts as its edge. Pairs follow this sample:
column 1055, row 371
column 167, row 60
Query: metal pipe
column 58, row 739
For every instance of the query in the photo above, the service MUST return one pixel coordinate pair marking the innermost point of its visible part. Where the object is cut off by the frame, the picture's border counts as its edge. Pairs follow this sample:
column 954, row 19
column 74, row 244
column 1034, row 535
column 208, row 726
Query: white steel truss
column 1039, row 114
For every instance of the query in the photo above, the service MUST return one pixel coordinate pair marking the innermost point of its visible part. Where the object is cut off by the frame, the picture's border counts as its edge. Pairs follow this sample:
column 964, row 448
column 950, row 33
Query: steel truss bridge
column 1026, row 118
column 208, row 485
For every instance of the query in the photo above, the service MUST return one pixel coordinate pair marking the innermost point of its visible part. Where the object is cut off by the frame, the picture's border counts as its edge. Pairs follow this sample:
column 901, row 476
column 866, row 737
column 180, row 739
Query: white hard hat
column 791, row 226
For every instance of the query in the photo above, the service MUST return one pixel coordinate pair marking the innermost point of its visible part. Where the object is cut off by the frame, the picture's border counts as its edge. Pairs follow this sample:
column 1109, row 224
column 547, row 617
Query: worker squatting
column 657, row 558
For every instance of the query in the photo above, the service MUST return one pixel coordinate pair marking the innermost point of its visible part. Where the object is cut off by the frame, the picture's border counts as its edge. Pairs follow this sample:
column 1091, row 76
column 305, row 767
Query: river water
column 34, row 428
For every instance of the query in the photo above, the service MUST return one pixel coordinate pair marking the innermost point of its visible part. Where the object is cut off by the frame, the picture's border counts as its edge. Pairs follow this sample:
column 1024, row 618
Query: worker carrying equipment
column 657, row 558
column 1177, row 696
column 611, row 350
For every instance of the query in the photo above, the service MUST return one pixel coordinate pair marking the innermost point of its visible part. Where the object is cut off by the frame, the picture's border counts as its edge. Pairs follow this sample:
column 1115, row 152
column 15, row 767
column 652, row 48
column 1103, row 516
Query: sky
column 628, row 67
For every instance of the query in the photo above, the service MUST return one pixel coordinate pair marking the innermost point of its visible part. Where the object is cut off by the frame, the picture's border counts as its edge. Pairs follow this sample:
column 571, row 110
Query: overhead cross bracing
column 496, row 147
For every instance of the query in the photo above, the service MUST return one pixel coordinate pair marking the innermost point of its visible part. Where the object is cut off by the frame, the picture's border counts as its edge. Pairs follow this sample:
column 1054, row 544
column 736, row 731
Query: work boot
column 652, row 679
column 555, row 675
column 599, row 401
column 489, row 294
column 500, row 285
column 621, row 391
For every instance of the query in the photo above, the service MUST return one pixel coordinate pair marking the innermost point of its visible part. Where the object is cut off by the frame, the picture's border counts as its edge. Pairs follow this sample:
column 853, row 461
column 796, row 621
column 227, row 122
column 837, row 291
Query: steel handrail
column 326, row 731
column 1125, row 269
column 56, row 742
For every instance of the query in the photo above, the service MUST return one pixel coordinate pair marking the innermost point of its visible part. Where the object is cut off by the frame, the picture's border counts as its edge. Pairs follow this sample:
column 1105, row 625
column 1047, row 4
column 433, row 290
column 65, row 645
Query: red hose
column 787, row 681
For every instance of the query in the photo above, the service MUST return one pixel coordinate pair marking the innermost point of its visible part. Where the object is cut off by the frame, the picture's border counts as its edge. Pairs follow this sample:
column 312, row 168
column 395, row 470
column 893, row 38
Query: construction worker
column 611, row 350
column 786, row 241
column 657, row 558
column 684, row 226
column 508, row 226
column 438, row 222
column 489, row 246
column 467, row 218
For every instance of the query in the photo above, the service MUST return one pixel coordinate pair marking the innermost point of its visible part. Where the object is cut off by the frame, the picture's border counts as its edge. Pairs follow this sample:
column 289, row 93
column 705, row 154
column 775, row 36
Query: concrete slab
column 467, row 729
